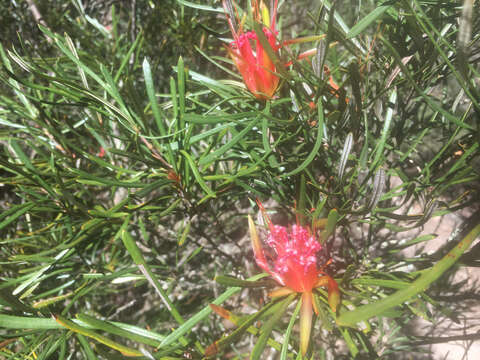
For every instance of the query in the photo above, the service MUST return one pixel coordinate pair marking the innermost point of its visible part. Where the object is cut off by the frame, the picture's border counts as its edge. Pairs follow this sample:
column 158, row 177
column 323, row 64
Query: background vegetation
column 132, row 153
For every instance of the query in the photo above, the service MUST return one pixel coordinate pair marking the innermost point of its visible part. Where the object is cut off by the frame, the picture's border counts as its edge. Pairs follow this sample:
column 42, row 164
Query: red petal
column 333, row 294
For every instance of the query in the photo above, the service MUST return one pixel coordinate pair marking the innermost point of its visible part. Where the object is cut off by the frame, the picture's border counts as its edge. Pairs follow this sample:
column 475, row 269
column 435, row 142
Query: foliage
column 132, row 153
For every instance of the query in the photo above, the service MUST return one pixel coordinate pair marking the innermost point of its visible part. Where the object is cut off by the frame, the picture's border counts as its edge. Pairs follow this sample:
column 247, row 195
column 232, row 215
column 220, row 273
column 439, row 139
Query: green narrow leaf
column 6, row 62
column 6, row 298
column 147, row 73
column 301, row 206
column 220, row 345
column 377, row 189
column 156, row 110
column 26, row 322
column 286, row 339
column 365, row 312
column 51, row 347
column 197, row 175
column 86, row 347
column 266, row 136
column 127, row 56
column 38, row 323
column 386, row 126
column 220, row 118
column 137, row 256
column 322, row 315
column 459, row 162
column 217, row 154
column 392, row 284
column 70, row 325
column 317, row 145
column 181, row 86
column 331, row 223
column 421, row 238
column 464, row 37
column 174, row 100
column 72, row 48
column 35, row 176
column 52, row 300
column 366, row 21
column 172, row 207
column 267, row 328
column 184, row 235
column 116, row 330
column 200, row 7
column 231, row 281
column 14, row 213
column 432, row 103
column 347, row 147
column 350, row 343
column 342, row 25
column 132, row 247
column 114, row 92
column 195, row 319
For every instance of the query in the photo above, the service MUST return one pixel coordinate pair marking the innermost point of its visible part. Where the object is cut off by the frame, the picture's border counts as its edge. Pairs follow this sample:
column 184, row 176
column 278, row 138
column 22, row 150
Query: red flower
column 294, row 266
column 256, row 67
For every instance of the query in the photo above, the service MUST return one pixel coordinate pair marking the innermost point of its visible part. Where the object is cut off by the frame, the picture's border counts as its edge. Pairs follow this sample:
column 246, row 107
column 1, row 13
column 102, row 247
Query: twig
column 37, row 16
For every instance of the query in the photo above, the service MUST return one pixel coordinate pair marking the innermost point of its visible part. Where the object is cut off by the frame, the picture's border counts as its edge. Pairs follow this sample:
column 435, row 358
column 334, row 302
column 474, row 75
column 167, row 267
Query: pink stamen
column 294, row 260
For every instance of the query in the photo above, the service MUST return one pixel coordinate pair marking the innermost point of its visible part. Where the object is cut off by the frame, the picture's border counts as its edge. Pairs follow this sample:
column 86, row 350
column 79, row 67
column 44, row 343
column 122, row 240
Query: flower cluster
column 250, row 57
column 294, row 266
column 296, row 261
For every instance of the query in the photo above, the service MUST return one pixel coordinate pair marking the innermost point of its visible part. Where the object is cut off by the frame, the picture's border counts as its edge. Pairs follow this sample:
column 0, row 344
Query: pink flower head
column 256, row 67
column 294, row 260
